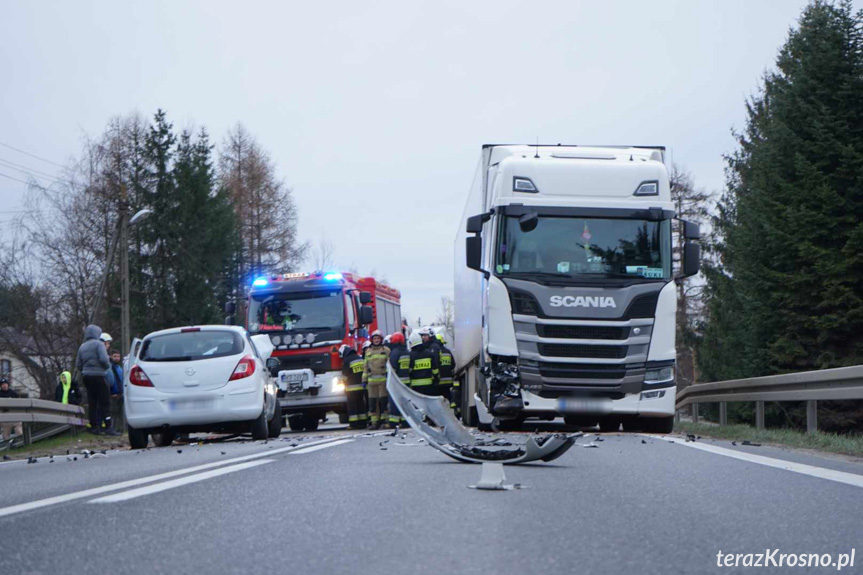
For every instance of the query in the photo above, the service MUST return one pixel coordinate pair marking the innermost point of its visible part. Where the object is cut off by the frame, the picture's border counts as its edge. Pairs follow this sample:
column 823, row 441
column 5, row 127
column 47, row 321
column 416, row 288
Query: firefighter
column 447, row 367
column 375, row 378
column 424, row 366
column 400, row 359
column 352, row 370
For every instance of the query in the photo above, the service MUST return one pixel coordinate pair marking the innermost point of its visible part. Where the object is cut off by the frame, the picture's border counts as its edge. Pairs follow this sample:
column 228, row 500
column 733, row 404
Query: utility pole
column 124, row 268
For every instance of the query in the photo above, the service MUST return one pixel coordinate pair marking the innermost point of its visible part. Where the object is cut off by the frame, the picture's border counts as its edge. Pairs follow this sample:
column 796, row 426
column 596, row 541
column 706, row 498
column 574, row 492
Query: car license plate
column 197, row 404
column 583, row 405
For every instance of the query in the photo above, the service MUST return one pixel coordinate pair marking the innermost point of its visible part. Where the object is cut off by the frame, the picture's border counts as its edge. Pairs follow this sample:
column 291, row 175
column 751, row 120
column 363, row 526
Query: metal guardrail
column 30, row 411
column 808, row 386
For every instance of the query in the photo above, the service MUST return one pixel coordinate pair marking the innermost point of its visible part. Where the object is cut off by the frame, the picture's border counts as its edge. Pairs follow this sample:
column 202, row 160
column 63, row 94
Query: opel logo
column 190, row 371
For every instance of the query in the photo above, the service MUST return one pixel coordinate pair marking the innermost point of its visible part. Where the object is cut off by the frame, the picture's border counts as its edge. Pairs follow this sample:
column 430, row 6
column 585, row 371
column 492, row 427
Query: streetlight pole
column 125, row 224
column 124, row 270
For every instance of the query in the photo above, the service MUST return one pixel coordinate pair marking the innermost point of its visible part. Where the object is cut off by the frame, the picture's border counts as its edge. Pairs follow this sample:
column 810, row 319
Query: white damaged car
column 201, row 378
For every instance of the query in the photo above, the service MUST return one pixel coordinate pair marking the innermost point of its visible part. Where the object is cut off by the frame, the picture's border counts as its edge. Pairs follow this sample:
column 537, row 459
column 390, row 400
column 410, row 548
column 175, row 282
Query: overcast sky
column 375, row 112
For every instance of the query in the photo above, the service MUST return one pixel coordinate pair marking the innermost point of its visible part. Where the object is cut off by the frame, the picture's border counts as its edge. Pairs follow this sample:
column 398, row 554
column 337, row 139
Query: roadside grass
column 59, row 444
column 821, row 441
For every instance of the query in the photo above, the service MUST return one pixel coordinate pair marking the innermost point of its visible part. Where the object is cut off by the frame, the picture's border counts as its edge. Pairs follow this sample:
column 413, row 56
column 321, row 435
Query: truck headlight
column 659, row 375
column 338, row 386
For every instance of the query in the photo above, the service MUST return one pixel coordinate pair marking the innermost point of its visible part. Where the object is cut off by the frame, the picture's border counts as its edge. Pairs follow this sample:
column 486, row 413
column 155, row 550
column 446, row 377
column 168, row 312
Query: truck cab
column 565, row 291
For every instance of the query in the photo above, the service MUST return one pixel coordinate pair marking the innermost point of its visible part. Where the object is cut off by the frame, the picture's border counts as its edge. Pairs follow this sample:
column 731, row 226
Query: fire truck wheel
column 343, row 417
column 296, row 421
column 311, row 421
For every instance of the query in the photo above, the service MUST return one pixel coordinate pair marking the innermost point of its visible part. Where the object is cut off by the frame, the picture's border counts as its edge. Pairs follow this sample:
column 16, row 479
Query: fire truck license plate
column 293, row 381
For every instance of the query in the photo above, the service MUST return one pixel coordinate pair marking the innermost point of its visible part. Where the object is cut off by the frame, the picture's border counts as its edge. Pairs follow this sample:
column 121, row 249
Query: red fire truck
column 308, row 316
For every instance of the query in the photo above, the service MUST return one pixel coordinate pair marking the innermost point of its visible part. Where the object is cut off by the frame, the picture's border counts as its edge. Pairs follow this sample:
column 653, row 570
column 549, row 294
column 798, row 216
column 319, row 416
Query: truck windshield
column 297, row 311
column 573, row 247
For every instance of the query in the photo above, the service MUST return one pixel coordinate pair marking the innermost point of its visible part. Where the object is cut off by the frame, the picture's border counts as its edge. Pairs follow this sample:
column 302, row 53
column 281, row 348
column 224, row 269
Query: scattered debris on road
column 492, row 478
column 749, row 443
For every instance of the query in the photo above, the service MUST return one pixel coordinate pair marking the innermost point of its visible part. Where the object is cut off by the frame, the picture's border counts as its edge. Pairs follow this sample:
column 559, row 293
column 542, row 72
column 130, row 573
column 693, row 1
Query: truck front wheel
column 658, row 424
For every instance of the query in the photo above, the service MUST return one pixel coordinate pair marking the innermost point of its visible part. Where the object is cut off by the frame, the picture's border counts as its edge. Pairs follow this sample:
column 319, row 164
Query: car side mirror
column 528, row 222
column 367, row 316
column 365, row 297
column 691, row 259
column 273, row 363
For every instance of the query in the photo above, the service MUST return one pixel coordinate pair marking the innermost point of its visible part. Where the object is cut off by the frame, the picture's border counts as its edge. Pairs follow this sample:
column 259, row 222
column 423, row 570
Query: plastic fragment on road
column 492, row 478
column 432, row 419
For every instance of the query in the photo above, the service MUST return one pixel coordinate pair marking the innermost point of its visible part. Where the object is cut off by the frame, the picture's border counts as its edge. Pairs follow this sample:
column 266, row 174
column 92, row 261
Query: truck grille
column 582, row 331
column 644, row 306
column 589, row 351
column 581, row 371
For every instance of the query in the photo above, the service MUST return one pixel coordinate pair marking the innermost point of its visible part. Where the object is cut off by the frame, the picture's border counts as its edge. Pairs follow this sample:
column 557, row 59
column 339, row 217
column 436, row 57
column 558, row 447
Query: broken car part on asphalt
column 432, row 418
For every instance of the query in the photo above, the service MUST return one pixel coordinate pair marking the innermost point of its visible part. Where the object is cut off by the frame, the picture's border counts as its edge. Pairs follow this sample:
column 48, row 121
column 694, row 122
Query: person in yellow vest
column 67, row 390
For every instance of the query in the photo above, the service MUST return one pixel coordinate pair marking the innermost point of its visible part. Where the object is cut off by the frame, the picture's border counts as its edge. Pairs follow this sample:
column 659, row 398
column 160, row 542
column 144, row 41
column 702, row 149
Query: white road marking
column 317, row 447
column 12, row 509
column 165, row 485
column 802, row 468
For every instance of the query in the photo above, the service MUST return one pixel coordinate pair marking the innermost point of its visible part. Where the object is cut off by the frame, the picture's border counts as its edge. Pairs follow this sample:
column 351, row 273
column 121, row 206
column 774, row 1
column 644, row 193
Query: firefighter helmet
column 344, row 350
column 106, row 337
column 397, row 338
column 367, row 344
column 441, row 338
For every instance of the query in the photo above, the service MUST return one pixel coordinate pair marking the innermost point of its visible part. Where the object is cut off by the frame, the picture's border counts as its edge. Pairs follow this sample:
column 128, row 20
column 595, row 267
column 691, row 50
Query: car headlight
column 338, row 386
column 659, row 375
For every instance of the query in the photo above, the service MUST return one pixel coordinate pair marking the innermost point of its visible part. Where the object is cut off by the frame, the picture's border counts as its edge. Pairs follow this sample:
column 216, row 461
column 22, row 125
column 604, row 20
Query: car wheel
column 164, row 438
column 343, row 418
column 296, row 421
column 137, row 437
column 275, row 425
column 259, row 426
column 311, row 421
column 658, row 424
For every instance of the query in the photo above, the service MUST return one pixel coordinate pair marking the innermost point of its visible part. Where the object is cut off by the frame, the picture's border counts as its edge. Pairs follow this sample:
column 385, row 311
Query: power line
column 30, row 171
column 20, row 151
column 16, row 179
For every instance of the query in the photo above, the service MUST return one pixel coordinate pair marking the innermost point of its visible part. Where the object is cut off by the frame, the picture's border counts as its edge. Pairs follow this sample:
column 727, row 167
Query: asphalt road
column 334, row 502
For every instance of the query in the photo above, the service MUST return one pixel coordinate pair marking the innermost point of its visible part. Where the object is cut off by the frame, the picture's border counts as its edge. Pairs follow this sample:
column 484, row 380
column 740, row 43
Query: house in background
column 31, row 368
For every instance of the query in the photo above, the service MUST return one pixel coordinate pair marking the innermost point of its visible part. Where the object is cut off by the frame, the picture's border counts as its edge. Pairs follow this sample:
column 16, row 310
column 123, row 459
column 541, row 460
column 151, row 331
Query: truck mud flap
column 432, row 418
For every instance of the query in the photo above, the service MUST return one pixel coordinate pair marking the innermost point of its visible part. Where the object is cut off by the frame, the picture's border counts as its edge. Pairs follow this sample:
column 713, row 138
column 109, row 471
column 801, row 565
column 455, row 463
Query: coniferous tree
column 785, row 285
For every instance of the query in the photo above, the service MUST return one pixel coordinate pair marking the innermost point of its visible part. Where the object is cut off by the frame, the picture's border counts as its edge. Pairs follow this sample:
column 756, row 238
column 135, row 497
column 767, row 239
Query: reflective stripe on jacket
column 352, row 370
column 424, row 366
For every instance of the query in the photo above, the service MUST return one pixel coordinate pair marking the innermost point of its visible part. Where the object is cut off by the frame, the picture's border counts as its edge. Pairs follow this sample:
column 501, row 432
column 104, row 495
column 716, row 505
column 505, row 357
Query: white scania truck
column 565, row 295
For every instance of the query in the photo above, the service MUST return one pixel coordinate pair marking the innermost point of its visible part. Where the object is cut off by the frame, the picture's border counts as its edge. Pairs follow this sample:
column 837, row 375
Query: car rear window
column 193, row 345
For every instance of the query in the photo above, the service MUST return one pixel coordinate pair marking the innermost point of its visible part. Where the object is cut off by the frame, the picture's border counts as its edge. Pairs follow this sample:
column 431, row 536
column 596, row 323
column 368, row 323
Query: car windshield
column 296, row 311
column 192, row 345
column 571, row 247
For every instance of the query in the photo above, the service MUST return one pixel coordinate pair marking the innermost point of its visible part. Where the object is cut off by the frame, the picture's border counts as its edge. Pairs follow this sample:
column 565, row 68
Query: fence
column 808, row 386
column 59, row 417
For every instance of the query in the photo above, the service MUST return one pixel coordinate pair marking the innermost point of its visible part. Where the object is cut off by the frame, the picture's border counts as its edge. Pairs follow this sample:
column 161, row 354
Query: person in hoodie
column 93, row 363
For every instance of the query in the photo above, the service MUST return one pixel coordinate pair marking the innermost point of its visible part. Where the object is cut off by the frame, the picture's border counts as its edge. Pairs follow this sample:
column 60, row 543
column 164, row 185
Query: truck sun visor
column 432, row 419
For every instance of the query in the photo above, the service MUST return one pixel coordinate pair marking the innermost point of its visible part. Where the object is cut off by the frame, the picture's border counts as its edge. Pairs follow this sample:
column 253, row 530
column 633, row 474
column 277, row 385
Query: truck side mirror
column 528, row 222
column 365, row 297
column 691, row 258
column 474, row 224
column 230, row 308
column 473, row 247
column 691, row 230
column 367, row 316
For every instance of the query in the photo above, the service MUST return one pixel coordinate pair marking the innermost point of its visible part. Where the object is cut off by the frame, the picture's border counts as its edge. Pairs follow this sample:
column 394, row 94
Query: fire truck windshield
column 296, row 311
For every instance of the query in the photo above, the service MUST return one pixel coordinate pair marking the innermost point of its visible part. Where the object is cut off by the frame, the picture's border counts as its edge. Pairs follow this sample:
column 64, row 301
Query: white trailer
column 565, row 296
